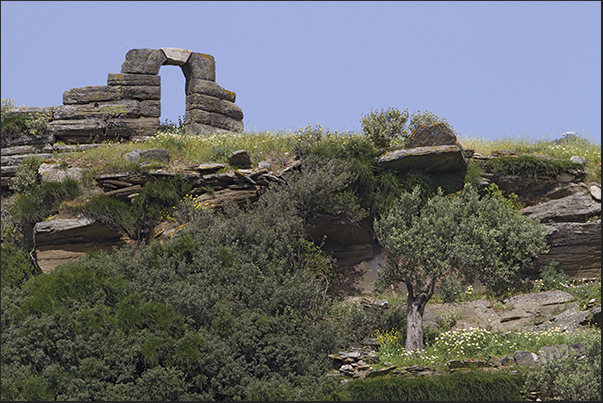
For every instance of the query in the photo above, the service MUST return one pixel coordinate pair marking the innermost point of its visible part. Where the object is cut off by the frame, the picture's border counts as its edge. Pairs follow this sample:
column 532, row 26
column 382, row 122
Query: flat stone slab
column 446, row 158
column 176, row 56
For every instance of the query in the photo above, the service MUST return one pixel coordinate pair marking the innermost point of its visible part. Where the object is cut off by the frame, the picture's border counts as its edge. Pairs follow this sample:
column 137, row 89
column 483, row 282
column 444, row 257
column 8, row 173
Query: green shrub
column 27, row 176
column 38, row 202
column 553, row 278
column 418, row 119
column 16, row 266
column 110, row 211
column 529, row 166
column 569, row 377
column 19, row 124
column 386, row 128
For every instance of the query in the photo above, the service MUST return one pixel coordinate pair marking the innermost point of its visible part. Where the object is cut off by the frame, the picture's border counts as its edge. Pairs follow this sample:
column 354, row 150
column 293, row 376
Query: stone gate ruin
column 129, row 106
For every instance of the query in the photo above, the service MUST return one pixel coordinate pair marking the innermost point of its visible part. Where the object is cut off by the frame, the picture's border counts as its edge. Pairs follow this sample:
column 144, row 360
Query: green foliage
column 110, row 211
column 40, row 201
column 553, row 278
column 27, row 177
column 528, row 165
column 16, row 266
column 169, row 127
column 568, row 376
column 458, row 386
column 462, row 234
column 18, row 124
column 233, row 309
column 386, row 127
column 418, row 119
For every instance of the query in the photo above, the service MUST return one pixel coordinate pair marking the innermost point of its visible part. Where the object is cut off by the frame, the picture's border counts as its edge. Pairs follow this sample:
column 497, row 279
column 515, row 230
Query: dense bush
column 569, row 376
column 234, row 309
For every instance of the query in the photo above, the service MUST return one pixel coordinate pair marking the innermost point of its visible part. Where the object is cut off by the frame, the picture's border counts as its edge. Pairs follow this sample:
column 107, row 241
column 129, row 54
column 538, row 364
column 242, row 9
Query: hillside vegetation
column 241, row 305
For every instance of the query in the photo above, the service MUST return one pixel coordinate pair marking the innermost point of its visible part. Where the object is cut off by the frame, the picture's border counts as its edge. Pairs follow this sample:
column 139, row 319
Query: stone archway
column 207, row 103
column 129, row 106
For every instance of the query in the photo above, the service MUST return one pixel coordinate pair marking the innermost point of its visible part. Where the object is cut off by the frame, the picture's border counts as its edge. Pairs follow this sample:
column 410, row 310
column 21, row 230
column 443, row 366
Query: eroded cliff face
column 567, row 206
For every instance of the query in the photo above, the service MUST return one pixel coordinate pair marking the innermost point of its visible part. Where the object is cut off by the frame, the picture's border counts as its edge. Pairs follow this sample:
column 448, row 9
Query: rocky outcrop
column 430, row 148
column 574, row 234
column 14, row 151
column 60, row 240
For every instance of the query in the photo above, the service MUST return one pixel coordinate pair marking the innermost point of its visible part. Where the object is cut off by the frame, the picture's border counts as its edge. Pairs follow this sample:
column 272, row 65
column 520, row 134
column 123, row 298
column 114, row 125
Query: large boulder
column 447, row 158
column 437, row 134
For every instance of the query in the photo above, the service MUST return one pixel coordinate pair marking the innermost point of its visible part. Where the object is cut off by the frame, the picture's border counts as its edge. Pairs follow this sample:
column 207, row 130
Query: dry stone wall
column 129, row 106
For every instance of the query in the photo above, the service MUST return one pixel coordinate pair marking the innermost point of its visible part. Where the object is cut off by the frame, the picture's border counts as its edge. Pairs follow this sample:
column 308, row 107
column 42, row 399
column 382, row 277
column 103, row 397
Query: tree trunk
column 414, row 323
column 415, row 306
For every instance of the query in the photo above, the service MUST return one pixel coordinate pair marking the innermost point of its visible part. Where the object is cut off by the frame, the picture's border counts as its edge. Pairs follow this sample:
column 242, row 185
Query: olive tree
column 459, row 235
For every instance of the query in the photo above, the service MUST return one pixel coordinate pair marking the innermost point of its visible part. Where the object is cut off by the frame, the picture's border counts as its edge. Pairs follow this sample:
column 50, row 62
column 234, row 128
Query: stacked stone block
column 129, row 106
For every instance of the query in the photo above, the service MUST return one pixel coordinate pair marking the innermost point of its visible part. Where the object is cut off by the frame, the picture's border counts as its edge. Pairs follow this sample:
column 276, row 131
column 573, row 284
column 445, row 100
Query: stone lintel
column 176, row 56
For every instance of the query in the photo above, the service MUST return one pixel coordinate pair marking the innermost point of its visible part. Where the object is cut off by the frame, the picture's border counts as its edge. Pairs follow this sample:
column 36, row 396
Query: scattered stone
column 209, row 168
column 56, row 173
column 525, row 358
column 595, row 192
column 239, row 158
column 155, row 154
column 576, row 159
column 564, row 177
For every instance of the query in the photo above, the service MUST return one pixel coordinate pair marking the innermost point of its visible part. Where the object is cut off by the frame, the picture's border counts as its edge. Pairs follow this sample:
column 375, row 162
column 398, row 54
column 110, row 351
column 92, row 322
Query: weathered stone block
column 200, row 66
column 206, row 87
column 125, row 108
column 212, row 119
column 132, row 127
column 437, row 134
column 95, row 93
column 156, row 154
column 448, row 158
column 239, row 158
column 150, row 108
column 142, row 92
column 133, row 79
column 213, row 104
column 143, row 61
column 76, row 131
column 176, row 56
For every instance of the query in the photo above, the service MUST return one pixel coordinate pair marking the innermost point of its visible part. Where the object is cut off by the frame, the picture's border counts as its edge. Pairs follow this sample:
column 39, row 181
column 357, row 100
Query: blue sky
column 492, row 69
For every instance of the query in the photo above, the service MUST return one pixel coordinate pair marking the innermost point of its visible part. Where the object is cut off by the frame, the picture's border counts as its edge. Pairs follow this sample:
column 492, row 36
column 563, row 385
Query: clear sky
column 492, row 69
